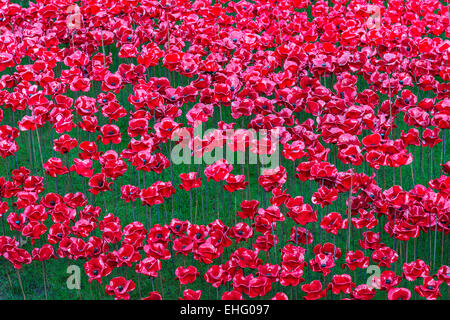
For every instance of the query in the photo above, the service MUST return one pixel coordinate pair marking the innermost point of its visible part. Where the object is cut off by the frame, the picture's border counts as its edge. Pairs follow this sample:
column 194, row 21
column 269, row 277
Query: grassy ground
column 208, row 203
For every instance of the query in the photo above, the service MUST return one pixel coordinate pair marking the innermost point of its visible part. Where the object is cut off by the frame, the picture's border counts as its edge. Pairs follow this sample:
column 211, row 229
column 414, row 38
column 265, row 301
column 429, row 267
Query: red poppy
column 190, row 294
column 82, row 167
column 363, row 292
column 129, row 193
column 333, row 222
column 389, row 279
column 17, row 256
column 216, row 275
column 89, row 151
column 149, row 266
column 46, row 252
column 151, row 196
column 119, row 287
column 127, row 255
column 64, row 144
column 154, row 295
column 246, row 258
column 415, row 269
column 399, row 294
column 265, row 242
column 111, row 228
column 113, row 82
column 293, row 256
column 313, row 290
column 273, row 178
column 178, row 227
column 249, row 209
column 189, row 181
column 356, row 259
column 96, row 269
column 324, row 196
column 272, row 214
column 443, row 274
column 134, row 234
column 341, row 283
column 357, row 83
column 431, row 137
column 384, row 256
column 98, row 184
column 370, row 240
column 232, row 295
column 241, row 232
column 429, row 289
column 218, row 171
column 186, row 275
column 110, row 134
column 157, row 250
column 54, row 167
column 300, row 235
column 235, row 183
column 300, row 212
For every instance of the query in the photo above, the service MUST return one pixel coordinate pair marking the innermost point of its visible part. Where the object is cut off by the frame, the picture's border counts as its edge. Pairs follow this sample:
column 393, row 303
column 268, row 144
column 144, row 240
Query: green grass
column 204, row 208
